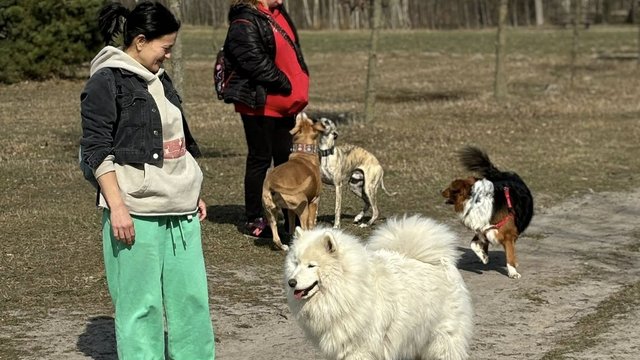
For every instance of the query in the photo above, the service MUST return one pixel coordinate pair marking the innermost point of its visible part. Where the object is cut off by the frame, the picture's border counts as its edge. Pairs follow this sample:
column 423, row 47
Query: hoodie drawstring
column 176, row 222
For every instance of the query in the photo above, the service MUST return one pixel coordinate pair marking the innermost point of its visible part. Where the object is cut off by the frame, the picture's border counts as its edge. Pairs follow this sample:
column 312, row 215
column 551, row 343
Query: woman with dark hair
column 136, row 143
column 269, row 87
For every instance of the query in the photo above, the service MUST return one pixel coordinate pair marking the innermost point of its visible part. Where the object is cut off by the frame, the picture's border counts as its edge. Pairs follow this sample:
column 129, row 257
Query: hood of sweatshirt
column 113, row 57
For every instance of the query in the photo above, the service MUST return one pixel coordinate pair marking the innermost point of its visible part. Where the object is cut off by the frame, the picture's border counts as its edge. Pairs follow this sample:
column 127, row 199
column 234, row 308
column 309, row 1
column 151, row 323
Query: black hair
column 148, row 18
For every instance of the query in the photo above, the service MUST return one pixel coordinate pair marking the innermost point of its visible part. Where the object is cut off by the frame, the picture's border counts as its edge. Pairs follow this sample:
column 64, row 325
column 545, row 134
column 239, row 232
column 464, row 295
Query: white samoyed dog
column 400, row 296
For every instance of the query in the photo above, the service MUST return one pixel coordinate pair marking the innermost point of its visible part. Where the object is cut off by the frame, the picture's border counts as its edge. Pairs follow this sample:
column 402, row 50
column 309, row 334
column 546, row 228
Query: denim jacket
column 120, row 118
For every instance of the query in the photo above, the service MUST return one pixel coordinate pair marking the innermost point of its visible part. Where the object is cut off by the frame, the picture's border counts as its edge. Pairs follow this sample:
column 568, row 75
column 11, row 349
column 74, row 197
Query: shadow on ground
column 226, row 214
column 98, row 341
column 469, row 262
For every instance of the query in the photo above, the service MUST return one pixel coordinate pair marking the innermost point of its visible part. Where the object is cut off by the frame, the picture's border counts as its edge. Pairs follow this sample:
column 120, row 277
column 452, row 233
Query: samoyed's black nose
column 293, row 283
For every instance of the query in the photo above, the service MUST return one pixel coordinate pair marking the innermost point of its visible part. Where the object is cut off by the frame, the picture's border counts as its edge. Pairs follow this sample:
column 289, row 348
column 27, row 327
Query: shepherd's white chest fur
column 479, row 206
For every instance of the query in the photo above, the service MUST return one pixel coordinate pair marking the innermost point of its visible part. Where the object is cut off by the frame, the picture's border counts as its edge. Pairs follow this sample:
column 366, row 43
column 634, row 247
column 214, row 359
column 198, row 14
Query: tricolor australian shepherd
column 498, row 206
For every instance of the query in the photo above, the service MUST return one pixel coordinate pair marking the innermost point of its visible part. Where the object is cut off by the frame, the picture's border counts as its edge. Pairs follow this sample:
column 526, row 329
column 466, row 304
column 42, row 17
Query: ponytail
column 148, row 18
column 111, row 21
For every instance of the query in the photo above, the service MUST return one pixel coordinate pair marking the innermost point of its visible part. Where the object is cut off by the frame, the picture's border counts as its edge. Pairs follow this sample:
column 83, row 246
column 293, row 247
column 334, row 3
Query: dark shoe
column 258, row 228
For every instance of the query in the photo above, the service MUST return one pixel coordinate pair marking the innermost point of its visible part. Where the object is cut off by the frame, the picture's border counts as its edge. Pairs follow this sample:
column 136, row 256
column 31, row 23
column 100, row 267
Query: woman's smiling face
column 151, row 54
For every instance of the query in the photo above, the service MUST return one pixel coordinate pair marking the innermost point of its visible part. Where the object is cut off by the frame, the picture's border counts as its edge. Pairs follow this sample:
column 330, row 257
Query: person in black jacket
column 140, row 152
column 269, row 85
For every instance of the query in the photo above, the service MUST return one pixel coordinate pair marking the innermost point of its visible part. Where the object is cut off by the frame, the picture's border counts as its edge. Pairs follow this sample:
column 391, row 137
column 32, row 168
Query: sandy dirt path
column 574, row 258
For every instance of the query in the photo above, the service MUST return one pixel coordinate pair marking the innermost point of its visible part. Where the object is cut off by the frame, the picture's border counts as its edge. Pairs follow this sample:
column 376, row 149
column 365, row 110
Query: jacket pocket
column 132, row 107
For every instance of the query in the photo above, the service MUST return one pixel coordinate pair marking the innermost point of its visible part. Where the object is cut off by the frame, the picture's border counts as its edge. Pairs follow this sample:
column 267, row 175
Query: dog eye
column 311, row 266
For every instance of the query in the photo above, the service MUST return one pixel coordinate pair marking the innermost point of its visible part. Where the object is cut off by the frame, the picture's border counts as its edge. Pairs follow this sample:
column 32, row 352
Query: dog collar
column 306, row 148
column 326, row 152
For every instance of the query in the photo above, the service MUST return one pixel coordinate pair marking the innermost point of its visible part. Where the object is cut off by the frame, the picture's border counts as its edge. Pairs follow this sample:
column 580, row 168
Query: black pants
column 268, row 140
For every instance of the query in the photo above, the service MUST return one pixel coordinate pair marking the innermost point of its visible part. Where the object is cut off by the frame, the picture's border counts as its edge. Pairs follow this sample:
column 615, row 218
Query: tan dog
column 355, row 164
column 295, row 185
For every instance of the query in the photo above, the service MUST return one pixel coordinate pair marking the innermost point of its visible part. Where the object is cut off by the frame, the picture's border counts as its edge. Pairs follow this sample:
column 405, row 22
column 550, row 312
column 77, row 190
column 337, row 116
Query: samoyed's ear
column 329, row 242
column 298, row 232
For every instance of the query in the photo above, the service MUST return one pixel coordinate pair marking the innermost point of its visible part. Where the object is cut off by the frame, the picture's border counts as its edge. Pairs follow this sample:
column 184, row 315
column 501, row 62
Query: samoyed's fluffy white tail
column 417, row 237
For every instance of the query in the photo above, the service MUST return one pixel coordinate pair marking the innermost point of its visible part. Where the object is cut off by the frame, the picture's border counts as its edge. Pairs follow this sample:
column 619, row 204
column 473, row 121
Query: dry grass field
column 434, row 96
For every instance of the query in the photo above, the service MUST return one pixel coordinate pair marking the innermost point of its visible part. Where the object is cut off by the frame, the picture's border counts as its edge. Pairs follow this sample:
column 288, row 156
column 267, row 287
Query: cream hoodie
column 173, row 187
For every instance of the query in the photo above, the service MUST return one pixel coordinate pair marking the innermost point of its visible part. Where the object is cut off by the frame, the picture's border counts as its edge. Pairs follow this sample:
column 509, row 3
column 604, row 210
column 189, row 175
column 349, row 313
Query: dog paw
column 480, row 253
column 512, row 272
column 363, row 225
column 285, row 248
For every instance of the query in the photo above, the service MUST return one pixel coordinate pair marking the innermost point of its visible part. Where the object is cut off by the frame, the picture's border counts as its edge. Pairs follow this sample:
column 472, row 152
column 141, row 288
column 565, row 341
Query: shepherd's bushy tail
column 474, row 159
column 417, row 237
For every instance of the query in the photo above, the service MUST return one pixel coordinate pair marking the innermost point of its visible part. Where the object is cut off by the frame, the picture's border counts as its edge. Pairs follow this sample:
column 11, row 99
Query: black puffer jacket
column 250, row 51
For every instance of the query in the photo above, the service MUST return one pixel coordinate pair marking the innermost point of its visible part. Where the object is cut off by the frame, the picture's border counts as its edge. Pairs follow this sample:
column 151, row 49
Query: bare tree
column 500, row 85
column 370, row 91
column 307, row 13
column 539, row 14
column 177, row 62
column 638, row 60
column 577, row 7
column 316, row 14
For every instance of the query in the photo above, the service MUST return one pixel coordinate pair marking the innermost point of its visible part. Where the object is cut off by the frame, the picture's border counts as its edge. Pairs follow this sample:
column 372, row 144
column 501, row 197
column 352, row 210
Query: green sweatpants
column 162, row 273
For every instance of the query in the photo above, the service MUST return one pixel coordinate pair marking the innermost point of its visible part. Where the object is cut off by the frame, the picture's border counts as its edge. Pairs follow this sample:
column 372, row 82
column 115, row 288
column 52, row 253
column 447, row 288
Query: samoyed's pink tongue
column 298, row 294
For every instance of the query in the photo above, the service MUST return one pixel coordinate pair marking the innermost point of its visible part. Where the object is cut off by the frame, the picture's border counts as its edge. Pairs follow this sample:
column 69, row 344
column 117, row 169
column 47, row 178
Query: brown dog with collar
column 296, row 184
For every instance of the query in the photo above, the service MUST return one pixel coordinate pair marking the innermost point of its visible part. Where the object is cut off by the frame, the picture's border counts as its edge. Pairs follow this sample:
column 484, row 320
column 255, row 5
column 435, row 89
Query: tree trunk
column 606, row 11
column 177, row 62
column 307, row 16
column 405, row 14
column 527, row 14
column 500, row 85
column 577, row 6
column 477, row 14
column 638, row 60
column 316, row 14
column 370, row 91
column 539, row 14
column 465, row 13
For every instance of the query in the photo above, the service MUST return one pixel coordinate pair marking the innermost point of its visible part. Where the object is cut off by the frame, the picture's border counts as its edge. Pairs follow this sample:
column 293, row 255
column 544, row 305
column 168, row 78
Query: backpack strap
column 286, row 37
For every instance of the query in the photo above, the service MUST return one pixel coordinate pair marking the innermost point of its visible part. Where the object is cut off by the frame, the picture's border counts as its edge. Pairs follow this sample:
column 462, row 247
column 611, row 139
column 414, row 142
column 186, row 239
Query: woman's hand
column 121, row 221
column 122, row 225
column 202, row 210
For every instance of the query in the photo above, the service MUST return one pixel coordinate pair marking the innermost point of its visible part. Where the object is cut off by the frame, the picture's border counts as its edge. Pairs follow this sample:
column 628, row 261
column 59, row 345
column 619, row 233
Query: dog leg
column 270, row 212
column 485, row 248
column 492, row 235
column 361, row 213
column 336, row 219
column 312, row 213
column 479, row 247
column 291, row 215
column 356, row 184
column 510, row 251
column 370, row 193
column 272, row 217
column 365, row 208
column 303, row 214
